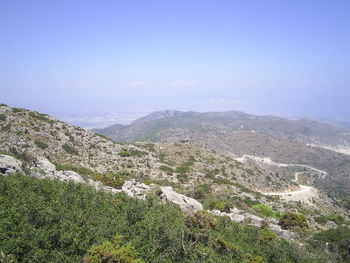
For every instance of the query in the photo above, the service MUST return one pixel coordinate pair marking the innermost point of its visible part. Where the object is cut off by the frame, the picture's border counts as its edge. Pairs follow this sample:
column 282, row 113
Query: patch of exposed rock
column 45, row 169
column 184, row 202
column 135, row 189
column 241, row 216
column 9, row 165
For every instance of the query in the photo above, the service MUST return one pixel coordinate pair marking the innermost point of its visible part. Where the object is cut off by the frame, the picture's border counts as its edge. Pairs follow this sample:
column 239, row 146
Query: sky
column 95, row 63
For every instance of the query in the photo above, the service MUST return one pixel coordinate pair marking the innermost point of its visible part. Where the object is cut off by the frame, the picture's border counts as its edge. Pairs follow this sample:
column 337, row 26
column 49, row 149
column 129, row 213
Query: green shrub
column 220, row 205
column 162, row 159
column 41, row 117
column 69, row 149
column 267, row 235
column 166, row 169
column 338, row 239
column 290, row 220
column 127, row 153
column 111, row 252
column 264, row 210
column 183, row 169
column 338, row 219
column 333, row 235
column 41, row 144
column 112, row 180
column 5, row 128
column 201, row 191
column 3, row 117
column 15, row 110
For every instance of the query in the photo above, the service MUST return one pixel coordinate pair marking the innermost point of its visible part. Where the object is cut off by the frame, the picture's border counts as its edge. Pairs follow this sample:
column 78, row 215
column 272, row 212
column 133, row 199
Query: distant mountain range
column 234, row 133
column 304, row 130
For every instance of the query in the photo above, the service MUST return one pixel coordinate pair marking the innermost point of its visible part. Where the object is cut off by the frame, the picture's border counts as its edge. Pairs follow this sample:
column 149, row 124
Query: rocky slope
column 236, row 134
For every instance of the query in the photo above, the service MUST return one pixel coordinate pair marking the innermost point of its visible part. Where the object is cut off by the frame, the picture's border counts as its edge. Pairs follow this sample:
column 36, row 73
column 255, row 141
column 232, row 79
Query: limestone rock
column 9, row 165
column 45, row 165
column 186, row 203
column 69, row 176
column 135, row 189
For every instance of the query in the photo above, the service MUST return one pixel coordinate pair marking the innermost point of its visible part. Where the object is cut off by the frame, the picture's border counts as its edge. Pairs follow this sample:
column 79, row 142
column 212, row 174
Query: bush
column 70, row 149
column 3, row 117
column 264, row 210
column 41, row 144
column 182, row 170
column 5, row 128
column 111, row 252
column 41, row 117
column 112, row 180
column 220, row 205
column 126, row 153
column 166, row 169
column 290, row 220
column 338, row 240
column 201, row 191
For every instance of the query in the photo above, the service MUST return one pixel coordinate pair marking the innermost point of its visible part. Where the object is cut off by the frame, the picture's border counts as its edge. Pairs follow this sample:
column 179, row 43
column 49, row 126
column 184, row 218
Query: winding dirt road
column 305, row 191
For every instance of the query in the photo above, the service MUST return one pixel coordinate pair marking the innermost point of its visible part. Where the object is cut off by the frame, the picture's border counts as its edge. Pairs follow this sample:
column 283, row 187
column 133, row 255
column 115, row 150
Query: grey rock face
column 186, row 204
column 9, row 165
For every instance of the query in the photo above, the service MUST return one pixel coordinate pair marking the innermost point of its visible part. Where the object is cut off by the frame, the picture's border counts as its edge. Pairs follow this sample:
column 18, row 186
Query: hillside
column 194, row 175
column 29, row 134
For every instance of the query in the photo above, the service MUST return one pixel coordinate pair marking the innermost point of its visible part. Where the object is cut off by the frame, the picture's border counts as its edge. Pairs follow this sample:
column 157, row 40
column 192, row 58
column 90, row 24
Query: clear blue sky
column 103, row 61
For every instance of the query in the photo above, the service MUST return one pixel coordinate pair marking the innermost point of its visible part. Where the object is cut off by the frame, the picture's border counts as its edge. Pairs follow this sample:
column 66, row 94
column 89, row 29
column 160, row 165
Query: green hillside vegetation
column 44, row 220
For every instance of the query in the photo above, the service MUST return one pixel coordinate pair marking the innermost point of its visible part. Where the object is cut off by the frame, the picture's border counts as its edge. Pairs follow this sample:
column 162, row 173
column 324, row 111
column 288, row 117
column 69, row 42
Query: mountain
column 236, row 134
column 304, row 130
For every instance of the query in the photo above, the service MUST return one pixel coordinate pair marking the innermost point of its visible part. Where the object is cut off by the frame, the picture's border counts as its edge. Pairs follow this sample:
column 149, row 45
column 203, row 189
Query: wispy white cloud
column 193, row 83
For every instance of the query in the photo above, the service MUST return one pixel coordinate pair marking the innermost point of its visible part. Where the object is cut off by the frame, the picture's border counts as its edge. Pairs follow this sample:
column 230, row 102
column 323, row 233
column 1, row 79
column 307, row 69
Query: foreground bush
column 43, row 220
column 111, row 252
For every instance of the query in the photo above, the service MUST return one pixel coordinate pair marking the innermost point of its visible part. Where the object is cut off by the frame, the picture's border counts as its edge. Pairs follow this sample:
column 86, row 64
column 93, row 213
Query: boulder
column 135, row 189
column 69, row 176
column 253, row 219
column 186, row 204
column 45, row 165
column 9, row 165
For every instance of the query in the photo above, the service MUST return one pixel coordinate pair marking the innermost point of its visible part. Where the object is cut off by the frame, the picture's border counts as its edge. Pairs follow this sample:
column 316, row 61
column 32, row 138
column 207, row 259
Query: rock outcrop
column 241, row 216
column 186, row 203
column 9, row 165
column 135, row 189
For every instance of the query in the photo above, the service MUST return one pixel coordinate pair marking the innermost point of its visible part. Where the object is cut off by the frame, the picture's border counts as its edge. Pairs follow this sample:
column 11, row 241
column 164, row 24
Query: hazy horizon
column 96, row 63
